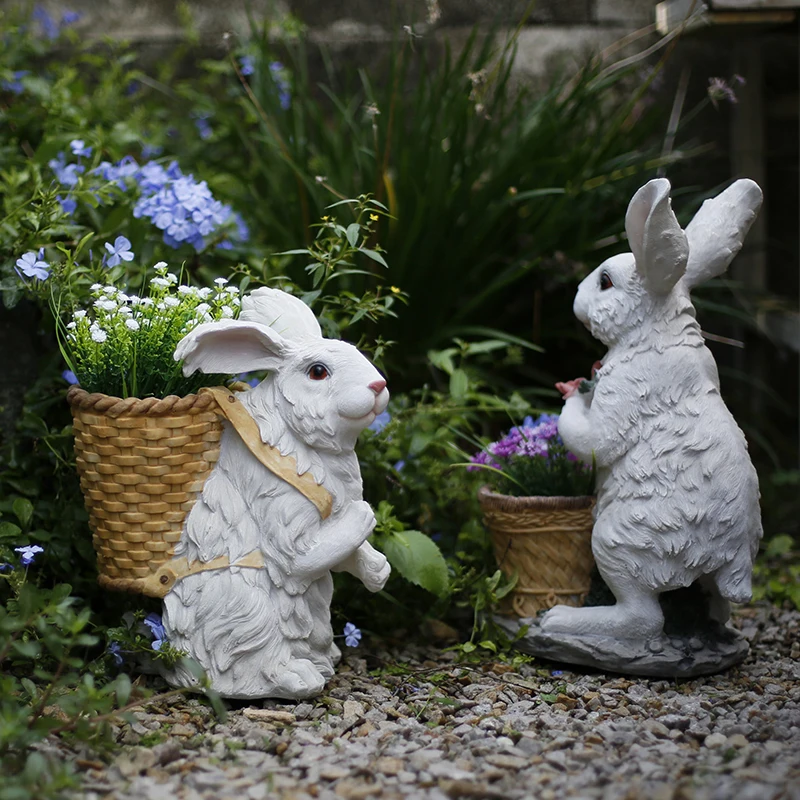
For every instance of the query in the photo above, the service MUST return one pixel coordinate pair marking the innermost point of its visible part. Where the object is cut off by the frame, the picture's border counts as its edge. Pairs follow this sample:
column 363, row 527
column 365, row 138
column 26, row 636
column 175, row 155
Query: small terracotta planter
column 547, row 542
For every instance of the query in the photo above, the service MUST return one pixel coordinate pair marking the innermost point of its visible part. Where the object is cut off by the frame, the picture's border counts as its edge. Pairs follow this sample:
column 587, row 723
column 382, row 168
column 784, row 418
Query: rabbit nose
column 377, row 386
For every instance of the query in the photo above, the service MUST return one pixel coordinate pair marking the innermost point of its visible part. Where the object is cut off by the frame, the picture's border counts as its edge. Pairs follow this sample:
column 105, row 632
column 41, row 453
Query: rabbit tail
column 734, row 579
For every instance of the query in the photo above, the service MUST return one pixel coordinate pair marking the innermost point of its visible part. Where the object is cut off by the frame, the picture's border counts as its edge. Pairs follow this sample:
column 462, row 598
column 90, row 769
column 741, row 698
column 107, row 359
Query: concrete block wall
column 553, row 31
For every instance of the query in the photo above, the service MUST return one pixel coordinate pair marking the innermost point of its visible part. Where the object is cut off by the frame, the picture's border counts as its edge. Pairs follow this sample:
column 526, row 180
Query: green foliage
column 553, row 475
column 776, row 576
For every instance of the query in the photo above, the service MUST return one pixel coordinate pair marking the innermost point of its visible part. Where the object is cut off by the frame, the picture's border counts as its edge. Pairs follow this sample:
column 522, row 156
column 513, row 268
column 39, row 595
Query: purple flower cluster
column 278, row 72
column 49, row 27
column 533, row 438
column 15, row 84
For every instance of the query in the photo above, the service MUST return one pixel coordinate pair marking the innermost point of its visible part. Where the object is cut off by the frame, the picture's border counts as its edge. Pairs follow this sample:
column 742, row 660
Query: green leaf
column 779, row 546
column 488, row 644
column 123, row 689
column 375, row 256
column 10, row 531
column 459, row 384
column 28, row 649
column 23, row 508
column 418, row 559
column 30, row 688
column 352, row 233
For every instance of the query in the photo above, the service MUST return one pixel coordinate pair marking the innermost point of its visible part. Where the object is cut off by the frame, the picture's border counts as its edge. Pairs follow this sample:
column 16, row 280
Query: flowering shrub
column 123, row 345
column 531, row 460
column 177, row 204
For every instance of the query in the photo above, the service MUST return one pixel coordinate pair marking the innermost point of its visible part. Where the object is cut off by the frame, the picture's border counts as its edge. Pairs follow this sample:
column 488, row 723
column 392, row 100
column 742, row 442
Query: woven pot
column 547, row 542
column 141, row 465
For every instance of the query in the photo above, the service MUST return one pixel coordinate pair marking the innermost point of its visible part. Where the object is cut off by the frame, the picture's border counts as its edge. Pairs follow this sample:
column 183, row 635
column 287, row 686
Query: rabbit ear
column 718, row 229
column 231, row 346
column 283, row 312
column 656, row 239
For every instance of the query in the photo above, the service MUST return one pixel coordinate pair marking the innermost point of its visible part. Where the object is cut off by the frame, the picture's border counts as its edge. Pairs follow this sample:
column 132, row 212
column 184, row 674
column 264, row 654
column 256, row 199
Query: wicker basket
column 141, row 465
column 547, row 541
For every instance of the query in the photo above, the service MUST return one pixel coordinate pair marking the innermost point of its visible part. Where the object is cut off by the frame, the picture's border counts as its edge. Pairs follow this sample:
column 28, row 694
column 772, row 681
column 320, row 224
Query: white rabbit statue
column 677, row 494
column 260, row 624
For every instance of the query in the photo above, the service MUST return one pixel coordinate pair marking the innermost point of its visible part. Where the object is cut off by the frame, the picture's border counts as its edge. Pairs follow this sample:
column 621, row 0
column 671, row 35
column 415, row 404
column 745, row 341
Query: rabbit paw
column 373, row 569
column 299, row 679
column 618, row 621
column 358, row 522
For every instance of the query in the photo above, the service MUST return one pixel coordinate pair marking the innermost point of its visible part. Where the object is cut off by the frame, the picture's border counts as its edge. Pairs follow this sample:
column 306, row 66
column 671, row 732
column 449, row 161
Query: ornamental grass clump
column 531, row 461
column 123, row 344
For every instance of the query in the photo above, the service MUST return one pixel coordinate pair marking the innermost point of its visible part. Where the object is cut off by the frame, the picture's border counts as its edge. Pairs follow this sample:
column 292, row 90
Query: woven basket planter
column 141, row 465
column 547, row 542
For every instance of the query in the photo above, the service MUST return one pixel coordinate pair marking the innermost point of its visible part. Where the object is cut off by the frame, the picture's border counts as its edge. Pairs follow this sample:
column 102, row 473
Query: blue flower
column 70, row 18
column 69, row 376
column 352, row 635
column 150, row 150
column 68, row 205
column 380, row 422
column 79, row 149
column 6, row 567
column 153, row 621
column 557, row 672
column 399, row 465
column 66, row 174
column 247, row 66
column 278, row 73
column 32, row 266
column 28, row 553
column 15, row 84
column 47, row 23
column 120, row 251
column 115, row 651
column 202, row 124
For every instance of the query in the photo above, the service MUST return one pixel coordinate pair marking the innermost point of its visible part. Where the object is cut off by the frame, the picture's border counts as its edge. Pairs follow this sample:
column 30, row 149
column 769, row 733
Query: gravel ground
column 414, row 723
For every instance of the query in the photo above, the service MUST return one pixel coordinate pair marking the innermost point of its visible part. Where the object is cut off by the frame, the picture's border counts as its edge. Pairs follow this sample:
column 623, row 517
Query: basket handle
column 285, row 467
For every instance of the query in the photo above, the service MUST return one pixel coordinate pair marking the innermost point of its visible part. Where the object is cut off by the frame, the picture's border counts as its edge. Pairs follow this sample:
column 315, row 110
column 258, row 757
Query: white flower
column 220, row 281
column 227, row 312
column 105, row 304
column 172, row 278
column 80, row 314
column 204, row 292
column 124, row 310
column 231, row 290
column 135, row 300
column 171, row 302
column 161, row 266
column 207, row 318
column 96, row 286
column 99, row 335
column 163, row 282
column 146, row 321
column 71, row 326
column 132, row 324
column 186, row 290
column 146, row 302
column 110, row 290
column 236, row 301
column 161, row 307
column 202, row 308
column 122, row 298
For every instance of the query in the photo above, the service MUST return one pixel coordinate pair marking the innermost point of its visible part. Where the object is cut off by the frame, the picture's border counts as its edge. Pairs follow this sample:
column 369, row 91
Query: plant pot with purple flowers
column 538, row 508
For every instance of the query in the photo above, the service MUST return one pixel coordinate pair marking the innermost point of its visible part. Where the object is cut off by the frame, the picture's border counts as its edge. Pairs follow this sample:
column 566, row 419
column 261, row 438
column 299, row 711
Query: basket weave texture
column 141, row 464
column 547, row 541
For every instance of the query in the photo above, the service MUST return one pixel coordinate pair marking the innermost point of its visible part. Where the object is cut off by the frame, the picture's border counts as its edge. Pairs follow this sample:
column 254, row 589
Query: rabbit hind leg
column 636, row 615
column 298, row 679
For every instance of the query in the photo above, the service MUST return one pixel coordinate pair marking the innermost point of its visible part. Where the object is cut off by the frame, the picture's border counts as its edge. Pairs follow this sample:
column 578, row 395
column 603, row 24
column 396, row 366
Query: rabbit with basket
column 677, row 494
column 260, row 624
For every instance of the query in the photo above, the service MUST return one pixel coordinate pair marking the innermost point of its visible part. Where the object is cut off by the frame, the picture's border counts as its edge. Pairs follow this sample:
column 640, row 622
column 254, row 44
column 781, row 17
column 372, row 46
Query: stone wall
column 553, row 30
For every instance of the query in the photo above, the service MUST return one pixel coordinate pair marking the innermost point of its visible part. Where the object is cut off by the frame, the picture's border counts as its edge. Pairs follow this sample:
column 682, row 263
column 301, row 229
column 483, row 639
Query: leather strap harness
column 285, row 467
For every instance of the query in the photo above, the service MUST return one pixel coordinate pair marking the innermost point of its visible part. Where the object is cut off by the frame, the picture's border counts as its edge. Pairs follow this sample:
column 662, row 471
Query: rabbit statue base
column 677, row 496
column 253, row 605
column 691, row 644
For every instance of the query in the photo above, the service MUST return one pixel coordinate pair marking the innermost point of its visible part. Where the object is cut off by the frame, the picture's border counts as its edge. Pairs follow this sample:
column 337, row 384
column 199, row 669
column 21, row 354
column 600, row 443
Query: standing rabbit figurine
column 677, row 495
column 260, row 624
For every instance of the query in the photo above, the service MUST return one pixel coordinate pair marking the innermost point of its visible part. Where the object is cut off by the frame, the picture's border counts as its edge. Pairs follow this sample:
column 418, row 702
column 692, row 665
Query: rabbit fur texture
column 267, row 632
column 677, row 494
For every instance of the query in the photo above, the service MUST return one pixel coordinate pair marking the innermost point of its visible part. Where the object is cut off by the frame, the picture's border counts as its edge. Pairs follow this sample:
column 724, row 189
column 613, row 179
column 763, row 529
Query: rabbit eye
column 318, row 372
column 605, row 281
